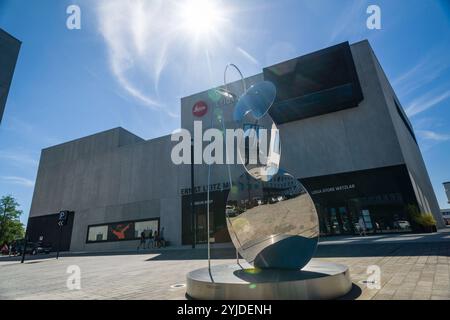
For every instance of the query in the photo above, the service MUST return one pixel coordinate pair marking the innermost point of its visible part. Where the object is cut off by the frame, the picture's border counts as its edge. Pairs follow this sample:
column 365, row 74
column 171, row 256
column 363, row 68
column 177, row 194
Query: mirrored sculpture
column 271, row 218
column 272, row 224
column 261, row 154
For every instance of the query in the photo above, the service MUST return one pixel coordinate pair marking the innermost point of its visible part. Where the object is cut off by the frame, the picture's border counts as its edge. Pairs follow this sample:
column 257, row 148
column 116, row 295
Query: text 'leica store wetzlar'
column 344, row 135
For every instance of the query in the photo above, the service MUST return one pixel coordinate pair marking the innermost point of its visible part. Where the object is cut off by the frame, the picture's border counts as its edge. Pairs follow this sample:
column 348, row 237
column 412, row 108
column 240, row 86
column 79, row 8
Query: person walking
column 150, row 239
column 142, row 241
column 156, row 239
column 13, row 248
column 362, row 227
column 162, row 241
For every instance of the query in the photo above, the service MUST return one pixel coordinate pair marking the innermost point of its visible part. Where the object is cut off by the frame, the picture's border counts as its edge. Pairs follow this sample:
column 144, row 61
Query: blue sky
column 132, row 61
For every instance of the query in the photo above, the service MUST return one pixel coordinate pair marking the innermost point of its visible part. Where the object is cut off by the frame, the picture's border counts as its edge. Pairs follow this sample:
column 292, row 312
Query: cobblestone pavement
column 412, row 267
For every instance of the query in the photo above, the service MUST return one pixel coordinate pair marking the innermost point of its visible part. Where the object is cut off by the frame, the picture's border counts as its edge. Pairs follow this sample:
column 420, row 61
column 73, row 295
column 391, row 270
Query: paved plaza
column 412, row 267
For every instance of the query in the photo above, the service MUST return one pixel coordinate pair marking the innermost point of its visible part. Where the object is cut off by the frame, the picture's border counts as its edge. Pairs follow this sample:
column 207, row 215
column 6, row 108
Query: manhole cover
column 367, row 282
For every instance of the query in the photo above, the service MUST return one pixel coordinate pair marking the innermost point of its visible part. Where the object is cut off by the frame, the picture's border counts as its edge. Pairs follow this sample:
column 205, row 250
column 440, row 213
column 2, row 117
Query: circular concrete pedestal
column 317, row 281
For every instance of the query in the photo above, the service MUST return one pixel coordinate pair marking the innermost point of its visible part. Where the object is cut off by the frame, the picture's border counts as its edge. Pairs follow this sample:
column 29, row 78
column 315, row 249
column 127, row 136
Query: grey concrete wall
column 447, row 190
column 9, row 52
column 110, row 177
column 410, row 149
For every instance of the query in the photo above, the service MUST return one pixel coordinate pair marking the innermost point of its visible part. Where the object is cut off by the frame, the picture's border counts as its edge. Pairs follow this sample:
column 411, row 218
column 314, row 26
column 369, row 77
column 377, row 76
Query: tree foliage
column 422, row 219
column 10, row 226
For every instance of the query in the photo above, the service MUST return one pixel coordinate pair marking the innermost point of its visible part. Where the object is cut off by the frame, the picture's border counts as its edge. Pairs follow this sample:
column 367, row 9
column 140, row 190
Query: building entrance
column 217, row 222
column 202, row 223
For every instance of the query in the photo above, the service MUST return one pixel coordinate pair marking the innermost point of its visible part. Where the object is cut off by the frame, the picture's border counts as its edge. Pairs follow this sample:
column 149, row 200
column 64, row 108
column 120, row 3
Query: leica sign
column 200, row 109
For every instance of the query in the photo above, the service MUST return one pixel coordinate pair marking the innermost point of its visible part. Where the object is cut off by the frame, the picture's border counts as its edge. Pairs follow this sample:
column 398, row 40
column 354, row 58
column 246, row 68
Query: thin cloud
column 434, row 136
column 426, row 102
column 129, row 87
column 425, row 123
column 345, row 22
column 419, row 77
column 248, row 56
column 410, row 73
column 173, row 115
column 428, row 69
column 152, row 53
column 24, row 182
column 17, row 158
column 118, row 22
column 35, row 133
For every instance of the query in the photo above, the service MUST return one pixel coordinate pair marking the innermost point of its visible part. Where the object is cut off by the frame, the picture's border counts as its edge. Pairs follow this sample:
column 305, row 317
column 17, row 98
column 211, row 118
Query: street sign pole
column 62, row 221
column 59, row 240
column 25, row 244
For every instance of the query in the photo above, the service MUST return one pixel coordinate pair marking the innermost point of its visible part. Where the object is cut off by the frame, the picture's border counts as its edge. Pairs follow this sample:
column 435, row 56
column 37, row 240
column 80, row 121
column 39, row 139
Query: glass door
column 345, row 221
column 333, row 221
column 202, row 229
column 201, row 226
column 339, row 221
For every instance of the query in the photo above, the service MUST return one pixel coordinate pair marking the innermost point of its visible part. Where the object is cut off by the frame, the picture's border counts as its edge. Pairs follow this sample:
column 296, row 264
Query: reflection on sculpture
column 251, row 114
column 271, row 218
column 272, row 224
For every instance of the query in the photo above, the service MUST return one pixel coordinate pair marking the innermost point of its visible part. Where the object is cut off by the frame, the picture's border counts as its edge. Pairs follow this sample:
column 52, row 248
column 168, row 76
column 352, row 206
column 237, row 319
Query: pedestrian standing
column 142, row 241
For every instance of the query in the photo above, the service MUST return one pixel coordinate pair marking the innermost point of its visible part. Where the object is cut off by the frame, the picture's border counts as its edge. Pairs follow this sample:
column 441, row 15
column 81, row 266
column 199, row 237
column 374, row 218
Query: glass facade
column 45, row 229
column 315, row 84
column 121, row 231
column 217, row 221
column 374, row 201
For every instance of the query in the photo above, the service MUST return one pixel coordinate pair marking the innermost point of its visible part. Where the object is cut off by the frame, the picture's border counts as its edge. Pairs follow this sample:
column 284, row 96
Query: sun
column 201, row 18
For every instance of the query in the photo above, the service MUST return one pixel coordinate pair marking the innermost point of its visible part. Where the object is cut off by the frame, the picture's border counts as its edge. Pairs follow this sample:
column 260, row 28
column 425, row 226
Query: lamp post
column 25, row 242
column 193, row 218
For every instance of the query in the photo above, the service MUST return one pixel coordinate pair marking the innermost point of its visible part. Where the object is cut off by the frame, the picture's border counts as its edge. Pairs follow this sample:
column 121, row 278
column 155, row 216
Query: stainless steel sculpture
column 273, row 224
column 271, row 218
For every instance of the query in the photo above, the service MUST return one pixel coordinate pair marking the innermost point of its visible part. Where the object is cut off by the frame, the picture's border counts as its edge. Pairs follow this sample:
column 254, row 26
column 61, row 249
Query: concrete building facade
column 344, row 135
column 447, row 190
column 9, row 52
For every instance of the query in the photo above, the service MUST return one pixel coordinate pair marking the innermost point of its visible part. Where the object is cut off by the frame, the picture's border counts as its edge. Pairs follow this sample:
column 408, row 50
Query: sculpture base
column 317, row 281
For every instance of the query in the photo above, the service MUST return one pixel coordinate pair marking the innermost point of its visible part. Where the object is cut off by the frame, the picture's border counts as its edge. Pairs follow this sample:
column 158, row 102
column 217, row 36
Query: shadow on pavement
column 156, row 255
column 437, row 244
column 353, row 294
column 384, row 250
column 197, row 254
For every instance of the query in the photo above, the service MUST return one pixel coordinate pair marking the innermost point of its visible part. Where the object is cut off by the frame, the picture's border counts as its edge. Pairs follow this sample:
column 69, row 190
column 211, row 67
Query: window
column 145, row 226
column 315, row 84
column 121, row 231
column 97, row 234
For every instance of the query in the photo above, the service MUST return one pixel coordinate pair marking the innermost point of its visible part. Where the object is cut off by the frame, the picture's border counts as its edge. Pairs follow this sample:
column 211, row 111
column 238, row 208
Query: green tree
column 10, row 226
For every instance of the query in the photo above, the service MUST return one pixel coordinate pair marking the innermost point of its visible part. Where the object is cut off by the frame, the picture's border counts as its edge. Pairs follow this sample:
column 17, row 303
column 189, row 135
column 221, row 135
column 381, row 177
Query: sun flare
column 201, row 18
